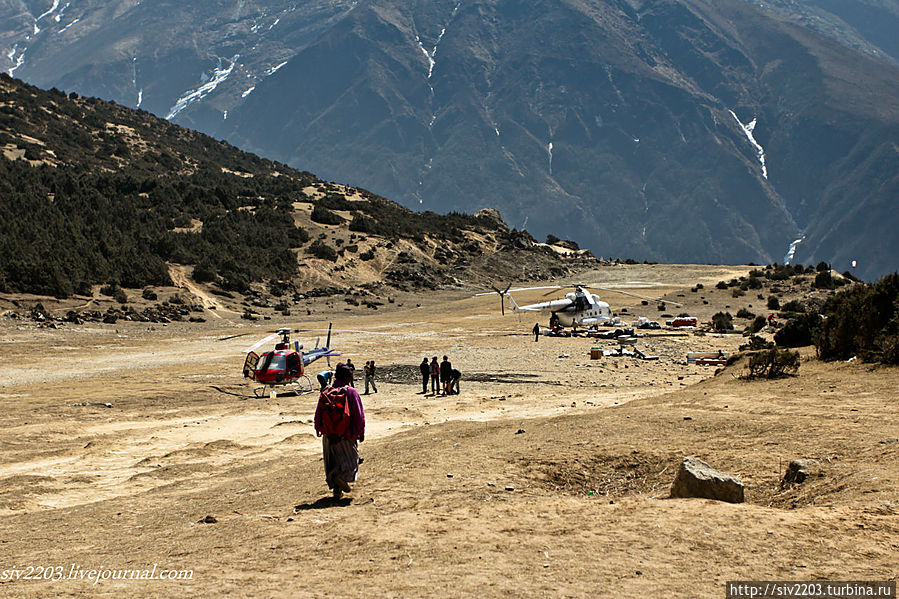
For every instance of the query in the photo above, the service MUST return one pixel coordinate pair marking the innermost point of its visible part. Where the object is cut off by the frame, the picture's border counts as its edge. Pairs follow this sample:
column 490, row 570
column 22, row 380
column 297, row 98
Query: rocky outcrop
column 695, row 478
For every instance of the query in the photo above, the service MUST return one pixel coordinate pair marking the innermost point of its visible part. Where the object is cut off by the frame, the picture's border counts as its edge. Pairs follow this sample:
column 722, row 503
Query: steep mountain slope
column 682, row 130
column 94, row 193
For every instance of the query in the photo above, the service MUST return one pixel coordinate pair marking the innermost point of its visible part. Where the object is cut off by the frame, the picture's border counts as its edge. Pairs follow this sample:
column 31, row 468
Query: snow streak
column 140, row 91
column 218, row 76
column 69, row 25
column 273, row 70
column 748, row 129
column 549, row 150
column 792, row 251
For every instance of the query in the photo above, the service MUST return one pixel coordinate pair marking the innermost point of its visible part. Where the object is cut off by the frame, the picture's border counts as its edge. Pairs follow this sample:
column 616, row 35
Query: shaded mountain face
column 675, row 130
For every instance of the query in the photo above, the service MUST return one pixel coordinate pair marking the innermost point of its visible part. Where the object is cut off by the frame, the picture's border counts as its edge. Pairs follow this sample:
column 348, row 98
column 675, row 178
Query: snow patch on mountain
column 49, row 11
column 274, row 69
column 69, row 25
column 248, row 92
column 792, row 250
column 19, row 60
column 549, row 150
column 219, row 75
column 747, row 130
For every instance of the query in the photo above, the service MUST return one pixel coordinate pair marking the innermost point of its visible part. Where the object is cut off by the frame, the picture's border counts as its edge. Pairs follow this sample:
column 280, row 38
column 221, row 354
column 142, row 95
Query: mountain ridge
column 624, row 124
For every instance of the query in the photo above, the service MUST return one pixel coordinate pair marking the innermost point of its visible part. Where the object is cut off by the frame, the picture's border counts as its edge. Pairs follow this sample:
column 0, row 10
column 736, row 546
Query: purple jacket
column 357, row 415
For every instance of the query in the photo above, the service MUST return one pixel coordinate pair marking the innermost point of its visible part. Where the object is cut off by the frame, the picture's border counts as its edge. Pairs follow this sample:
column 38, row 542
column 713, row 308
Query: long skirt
column 341, row 459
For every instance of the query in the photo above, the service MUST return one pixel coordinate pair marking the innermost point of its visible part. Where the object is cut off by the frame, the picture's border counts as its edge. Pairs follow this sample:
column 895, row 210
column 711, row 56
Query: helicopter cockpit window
column 293, row 362
column 271, row 362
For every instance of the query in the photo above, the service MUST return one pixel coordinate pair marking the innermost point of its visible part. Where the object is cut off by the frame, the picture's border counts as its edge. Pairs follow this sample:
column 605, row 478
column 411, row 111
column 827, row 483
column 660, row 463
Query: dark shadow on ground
column 324, row 503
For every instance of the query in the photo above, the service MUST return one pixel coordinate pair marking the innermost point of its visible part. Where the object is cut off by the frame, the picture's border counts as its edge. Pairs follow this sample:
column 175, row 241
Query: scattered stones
column 799, row 471
column 510, row 488
column 696, row 478
column 519, row 431
column 208, row 520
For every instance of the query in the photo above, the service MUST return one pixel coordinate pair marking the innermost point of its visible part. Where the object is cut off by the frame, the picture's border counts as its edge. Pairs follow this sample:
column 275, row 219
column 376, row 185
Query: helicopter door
column 249, row 365
column 294, row 367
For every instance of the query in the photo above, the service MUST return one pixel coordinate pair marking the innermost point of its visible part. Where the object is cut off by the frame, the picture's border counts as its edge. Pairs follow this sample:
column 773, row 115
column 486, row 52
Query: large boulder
column 695, row 478
column 799, row 471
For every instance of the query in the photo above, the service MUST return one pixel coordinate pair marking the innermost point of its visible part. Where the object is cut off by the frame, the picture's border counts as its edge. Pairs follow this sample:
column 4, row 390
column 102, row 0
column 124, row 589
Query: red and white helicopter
column 579, row 308
column 284, row 365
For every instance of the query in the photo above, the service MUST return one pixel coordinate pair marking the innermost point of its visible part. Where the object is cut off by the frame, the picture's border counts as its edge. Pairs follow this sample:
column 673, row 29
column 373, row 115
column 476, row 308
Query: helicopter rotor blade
column 262, row 341
column 637, row 295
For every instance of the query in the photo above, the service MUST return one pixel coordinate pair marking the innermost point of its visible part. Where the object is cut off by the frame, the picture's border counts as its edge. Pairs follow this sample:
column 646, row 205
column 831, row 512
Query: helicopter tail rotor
column 502, row 294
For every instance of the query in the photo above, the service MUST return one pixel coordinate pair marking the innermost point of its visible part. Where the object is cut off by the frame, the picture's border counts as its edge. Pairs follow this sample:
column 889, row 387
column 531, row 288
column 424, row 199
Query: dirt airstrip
column 547, row 476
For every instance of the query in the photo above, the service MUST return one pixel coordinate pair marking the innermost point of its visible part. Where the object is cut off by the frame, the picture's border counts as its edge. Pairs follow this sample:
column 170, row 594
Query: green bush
column 773, row 363
column 756, row 343
column 757, row 325
column 204, row 273
column 824, row 280
column 863, row 321
column 722, row 321
column 322, row 215
column 322, row 250
column 794, row 306
column 798, row 332
column 361, row 224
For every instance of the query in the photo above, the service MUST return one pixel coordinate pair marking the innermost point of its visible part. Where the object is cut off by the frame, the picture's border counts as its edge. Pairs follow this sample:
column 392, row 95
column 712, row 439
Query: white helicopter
column 579, row 308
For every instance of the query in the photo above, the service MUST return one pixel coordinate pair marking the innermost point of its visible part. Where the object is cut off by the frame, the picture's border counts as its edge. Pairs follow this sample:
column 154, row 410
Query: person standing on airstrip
column 340, row 421
column 536, row 332
column 435, row 376
column 369, row 371
column 425, row 375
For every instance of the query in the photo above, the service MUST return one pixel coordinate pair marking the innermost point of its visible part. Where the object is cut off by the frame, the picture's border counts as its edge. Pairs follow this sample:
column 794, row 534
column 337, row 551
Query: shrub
column 744, row 313
column 361, row 224
column 149, row 294
column 757, row 325
column 737, row 292
column 798, row 331
column 322, row 250
column 794, row 306
column 824, row 280
column 756, row 343
column 773, row 303
column 721, row 285
column 204, row 273
column 368, row 254
column 862, row 320
column 773, row 363
column 722, row 321
column 120, row 296
column 322, row 215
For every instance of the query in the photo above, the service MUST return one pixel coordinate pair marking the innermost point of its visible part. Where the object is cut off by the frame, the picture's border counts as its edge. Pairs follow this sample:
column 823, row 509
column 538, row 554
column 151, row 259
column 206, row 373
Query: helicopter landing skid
column 301, row 386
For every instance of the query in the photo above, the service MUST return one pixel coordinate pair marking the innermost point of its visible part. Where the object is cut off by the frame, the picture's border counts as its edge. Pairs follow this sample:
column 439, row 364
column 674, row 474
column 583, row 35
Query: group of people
column 442, row 376
column 324, row 378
